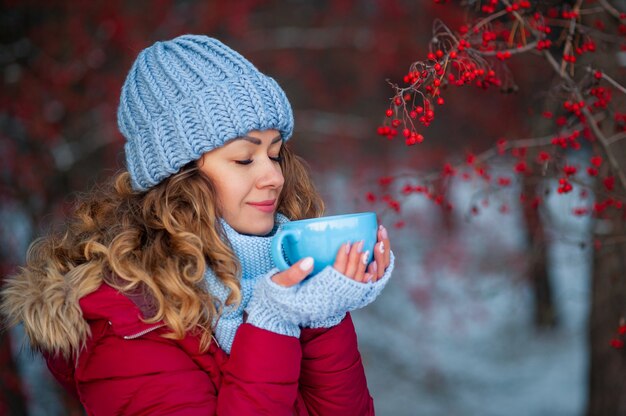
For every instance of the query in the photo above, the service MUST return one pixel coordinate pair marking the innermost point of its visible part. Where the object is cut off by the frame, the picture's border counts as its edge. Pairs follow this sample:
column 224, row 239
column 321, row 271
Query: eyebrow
column 256, row 140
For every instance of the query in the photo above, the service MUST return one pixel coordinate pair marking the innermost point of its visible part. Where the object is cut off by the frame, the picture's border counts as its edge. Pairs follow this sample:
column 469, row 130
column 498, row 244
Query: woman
column 160, row 296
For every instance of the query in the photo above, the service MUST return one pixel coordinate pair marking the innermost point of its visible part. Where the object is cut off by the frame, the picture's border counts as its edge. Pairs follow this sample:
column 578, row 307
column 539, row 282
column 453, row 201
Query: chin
column 258, row 228
column 265, row 230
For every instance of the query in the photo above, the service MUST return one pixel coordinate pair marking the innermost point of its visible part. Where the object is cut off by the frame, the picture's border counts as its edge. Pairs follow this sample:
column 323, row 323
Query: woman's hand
column 351, row 261
column 295, row 274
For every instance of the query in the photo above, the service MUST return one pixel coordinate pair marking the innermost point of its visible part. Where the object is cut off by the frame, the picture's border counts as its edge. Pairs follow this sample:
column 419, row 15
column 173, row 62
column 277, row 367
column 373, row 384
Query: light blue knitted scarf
column 254, row 256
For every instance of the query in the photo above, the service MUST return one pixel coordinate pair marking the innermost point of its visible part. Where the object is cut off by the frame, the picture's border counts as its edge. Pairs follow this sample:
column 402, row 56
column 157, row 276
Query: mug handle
column 277, row 248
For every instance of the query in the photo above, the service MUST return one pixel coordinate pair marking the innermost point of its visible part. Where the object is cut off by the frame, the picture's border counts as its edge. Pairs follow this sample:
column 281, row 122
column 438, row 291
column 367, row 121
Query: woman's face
column 248, row 179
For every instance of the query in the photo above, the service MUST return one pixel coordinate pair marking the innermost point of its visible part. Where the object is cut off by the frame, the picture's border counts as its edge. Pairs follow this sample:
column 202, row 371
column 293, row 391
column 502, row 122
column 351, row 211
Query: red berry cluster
column 601, row 206
column 504, row 181
column 569, row 58
column 564, row 186
column 523, row 4
column 503, row 55
column 569, row 14
column 596, row 161
column 620, row 119
column 543, row 44
column 570, row 140
column 602, row 95
column 538, row 22
column 489, row 6
column 425, row 81
column 390, row 202
column 618, row 340
column 575, row 108
column 564, row 183
column 407, row 189
column 543, row 157
column 587, row 46
column 384, row 182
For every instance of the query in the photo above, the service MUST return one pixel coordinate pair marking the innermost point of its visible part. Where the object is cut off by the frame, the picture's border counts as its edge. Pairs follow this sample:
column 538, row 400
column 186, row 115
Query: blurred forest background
column 63, row 63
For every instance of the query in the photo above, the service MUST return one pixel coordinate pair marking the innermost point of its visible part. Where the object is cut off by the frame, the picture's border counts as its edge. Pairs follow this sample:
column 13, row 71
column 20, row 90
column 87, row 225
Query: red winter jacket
column 128, row 368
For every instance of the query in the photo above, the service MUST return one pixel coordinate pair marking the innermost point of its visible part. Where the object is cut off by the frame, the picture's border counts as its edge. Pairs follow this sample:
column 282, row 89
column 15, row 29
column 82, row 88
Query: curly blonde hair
column 157, row 243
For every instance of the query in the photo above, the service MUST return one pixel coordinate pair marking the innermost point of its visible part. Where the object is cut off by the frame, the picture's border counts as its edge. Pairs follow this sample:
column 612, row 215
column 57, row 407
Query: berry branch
column 611, row 10
column 464, row 59
column 610, row 80
column 589, row 118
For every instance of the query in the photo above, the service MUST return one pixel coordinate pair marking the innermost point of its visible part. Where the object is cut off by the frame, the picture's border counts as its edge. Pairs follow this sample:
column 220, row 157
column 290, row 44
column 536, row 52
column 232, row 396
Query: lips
column 265, row 206
column 264, row 203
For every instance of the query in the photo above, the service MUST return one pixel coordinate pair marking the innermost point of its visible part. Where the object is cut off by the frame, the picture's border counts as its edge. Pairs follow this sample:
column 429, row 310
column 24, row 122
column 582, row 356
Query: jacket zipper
column 144, row 332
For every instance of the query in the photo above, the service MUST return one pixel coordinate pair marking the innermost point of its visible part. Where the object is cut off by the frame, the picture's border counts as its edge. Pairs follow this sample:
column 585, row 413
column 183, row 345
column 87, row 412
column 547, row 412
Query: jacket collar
column 124, row 316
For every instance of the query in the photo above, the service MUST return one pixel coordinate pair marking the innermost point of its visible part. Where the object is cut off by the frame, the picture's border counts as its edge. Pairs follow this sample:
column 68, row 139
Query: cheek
column 230, row 191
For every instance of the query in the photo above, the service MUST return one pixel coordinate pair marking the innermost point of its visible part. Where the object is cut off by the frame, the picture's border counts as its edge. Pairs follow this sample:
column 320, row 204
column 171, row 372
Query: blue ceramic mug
column 322, row 237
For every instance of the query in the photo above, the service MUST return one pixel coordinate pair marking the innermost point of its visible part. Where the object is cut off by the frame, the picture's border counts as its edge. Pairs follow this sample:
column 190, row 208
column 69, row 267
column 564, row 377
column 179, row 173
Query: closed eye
column 248, row 161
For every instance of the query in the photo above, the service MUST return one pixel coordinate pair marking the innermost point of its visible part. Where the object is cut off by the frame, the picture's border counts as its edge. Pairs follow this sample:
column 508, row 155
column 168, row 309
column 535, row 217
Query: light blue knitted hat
column 189, row 95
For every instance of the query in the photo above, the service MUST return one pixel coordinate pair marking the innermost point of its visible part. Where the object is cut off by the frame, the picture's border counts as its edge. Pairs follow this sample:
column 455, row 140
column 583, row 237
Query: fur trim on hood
column 47, row 305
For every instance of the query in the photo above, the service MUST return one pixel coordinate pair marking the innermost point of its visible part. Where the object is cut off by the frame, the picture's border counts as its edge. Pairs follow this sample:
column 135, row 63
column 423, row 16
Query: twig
column 611, row 81
column 591, row 10
column 512, row 34
column 570, row 35
column 609, row 8
column 590, row 31
column 526, row 48
column 488, row 20
column 616, row 138
column 523, row 21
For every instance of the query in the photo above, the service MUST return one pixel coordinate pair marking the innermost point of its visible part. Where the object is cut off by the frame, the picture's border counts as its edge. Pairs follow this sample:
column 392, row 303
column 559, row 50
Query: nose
column 271, row 175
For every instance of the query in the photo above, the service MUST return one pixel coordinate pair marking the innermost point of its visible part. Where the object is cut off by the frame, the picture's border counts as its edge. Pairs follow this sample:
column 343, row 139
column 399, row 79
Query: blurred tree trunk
column 545, row 316
column 607, row 375
column 12, row 401
column 545, row 310
column 607, row 369
column 448, row 223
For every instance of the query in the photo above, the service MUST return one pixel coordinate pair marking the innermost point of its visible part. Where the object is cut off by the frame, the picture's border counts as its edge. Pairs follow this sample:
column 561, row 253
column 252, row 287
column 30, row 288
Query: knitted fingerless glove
column 370, row 294
column 321, row 300
column 264, row 308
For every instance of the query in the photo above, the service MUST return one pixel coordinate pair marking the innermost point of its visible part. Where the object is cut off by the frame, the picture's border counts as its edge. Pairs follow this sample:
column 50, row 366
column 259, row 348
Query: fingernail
column 381, row 247
column 365, row 257
column 359, row 246
column 374, row 267
column 348, row 247
column 306, row 264
column 383, row 232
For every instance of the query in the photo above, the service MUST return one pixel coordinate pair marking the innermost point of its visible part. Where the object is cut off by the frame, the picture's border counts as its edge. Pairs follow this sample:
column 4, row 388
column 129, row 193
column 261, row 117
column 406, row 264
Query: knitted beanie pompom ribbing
column 187, row 96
